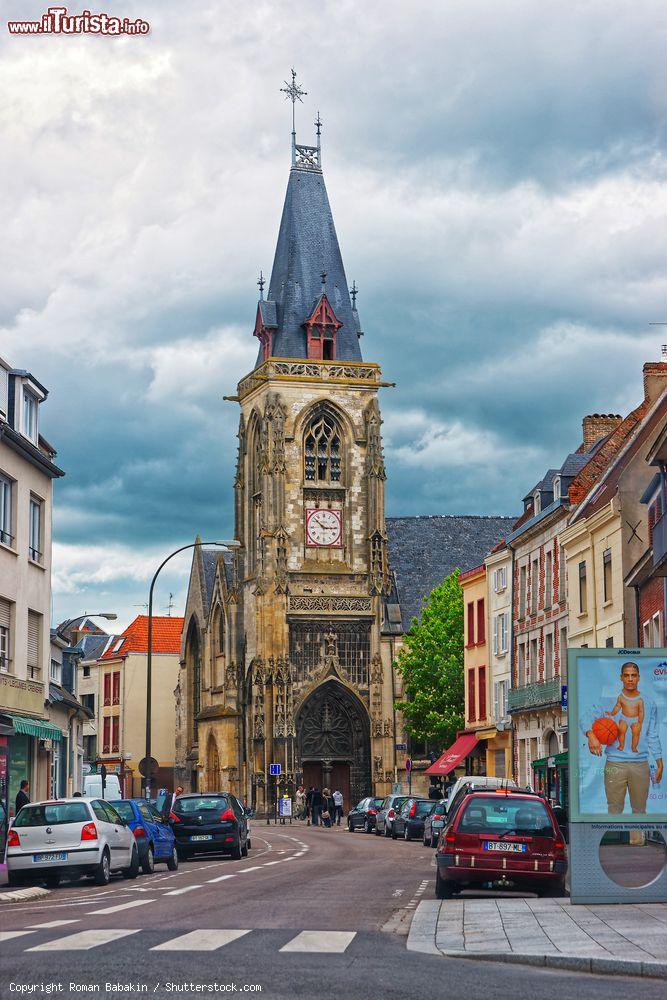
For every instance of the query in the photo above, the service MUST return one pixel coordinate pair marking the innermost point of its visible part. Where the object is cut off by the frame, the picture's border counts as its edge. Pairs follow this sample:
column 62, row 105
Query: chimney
column 655, row 377
column 598, row 425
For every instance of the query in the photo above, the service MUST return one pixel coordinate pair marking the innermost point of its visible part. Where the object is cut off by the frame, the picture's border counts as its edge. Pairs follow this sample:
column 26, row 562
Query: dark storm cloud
column 497, row 176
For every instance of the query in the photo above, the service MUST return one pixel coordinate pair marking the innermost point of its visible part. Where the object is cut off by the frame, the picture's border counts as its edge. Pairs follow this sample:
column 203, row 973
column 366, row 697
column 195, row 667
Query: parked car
column 478, row 781
column 364, row 814
column 434, row 823
column 409, row 820
column 385, row 816
column 70, row 837
column 209, row 822
column 502, row 838
column 155, row 838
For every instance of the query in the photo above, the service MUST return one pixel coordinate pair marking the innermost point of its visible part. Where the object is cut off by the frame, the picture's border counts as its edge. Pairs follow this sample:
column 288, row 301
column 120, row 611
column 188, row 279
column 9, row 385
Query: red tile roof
column 593, row 471
column 166, row 637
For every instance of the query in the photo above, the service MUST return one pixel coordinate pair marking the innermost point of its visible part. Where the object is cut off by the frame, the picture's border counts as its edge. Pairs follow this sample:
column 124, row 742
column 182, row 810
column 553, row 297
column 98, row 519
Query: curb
column 20, row 895
column 572, row 963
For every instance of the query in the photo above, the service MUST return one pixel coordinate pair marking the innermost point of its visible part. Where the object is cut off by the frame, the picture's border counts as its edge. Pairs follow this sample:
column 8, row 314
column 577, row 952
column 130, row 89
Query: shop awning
column 34, row 727
column 456, row 753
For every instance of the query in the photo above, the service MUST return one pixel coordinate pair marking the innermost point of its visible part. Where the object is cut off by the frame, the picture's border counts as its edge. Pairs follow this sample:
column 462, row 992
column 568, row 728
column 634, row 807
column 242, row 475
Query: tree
column 431, row 664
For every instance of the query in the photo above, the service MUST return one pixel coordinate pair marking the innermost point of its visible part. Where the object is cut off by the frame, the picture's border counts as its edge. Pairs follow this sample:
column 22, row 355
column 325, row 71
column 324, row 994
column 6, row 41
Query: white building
column 499, row 630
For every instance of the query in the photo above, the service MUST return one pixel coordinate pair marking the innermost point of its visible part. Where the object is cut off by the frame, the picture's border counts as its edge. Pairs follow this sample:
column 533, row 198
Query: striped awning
column 39, row 728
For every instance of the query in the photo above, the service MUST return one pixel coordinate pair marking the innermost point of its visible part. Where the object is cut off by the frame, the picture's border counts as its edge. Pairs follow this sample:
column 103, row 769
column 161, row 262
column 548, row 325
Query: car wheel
column 103, row 870
column 553, row 890
column 182, row 855
column 236, row 852
column 172, row 863
column 426, row 841
column 387, row 832
column 249, row 844
column 244, row 849
column 52, row 880
column 377, row 830
column 350, row 826
column 434, row 841
column 394, row 835
column 133, row 870
column 148, row 864
column 406, row 833
column 444, row 887
column 367, row 826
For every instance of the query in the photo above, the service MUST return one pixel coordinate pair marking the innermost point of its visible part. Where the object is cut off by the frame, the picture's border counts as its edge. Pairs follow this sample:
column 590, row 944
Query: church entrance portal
column 333, row 742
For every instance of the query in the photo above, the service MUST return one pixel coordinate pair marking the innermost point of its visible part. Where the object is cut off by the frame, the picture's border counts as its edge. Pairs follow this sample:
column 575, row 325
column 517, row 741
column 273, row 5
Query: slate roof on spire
column 307, row 246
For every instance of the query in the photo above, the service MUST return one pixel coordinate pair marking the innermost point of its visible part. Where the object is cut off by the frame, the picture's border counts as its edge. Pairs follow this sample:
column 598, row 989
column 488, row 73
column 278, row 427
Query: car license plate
column 202, row 836
column 437, row 823
column 502, row 845
column 50, row 856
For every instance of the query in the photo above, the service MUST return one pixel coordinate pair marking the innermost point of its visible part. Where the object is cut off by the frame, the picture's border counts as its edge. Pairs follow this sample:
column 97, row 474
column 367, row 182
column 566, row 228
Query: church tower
column 313, row 690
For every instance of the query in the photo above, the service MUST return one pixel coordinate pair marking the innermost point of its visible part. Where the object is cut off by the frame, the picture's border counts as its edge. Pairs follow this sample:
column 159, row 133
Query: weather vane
column 353, row 292
column 318, row 126
column 293, row 92
column 261, row 282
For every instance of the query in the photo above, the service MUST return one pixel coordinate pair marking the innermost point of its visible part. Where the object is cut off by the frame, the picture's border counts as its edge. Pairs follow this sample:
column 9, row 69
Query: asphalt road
column 231, row 924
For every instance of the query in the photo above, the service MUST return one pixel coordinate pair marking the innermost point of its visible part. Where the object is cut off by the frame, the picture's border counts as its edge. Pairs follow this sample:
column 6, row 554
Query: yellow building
column 478, row 711
column 121, row 701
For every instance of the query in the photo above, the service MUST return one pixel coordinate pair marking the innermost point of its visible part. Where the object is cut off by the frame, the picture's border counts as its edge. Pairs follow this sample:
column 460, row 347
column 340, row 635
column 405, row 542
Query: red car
column 505, row 838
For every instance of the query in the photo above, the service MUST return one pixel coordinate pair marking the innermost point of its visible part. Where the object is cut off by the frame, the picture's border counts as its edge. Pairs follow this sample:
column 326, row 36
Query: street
column 237, row 924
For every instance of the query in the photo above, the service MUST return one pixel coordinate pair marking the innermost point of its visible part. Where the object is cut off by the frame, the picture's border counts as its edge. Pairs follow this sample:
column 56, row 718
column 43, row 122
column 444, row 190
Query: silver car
column 69, row 837
column 385, row 817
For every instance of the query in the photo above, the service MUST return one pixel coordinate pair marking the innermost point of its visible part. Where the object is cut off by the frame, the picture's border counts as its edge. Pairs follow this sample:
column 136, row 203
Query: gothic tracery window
column 322, row 450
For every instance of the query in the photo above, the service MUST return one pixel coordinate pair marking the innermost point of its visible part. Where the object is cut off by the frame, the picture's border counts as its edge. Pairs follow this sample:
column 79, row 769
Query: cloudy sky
column 497, row 176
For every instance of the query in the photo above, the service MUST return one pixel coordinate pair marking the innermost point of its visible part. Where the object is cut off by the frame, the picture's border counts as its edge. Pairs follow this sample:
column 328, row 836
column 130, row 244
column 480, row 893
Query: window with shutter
column 107, row 689
column 471, row 624
column 115, row 734
column 481, row 683
column 116, row 687
column 106, row 739
column 5, row 618
column 496, row 700
column 5, row 613
column 481, row 622
column 34, row 631
column 496, row 623
column 471, row 695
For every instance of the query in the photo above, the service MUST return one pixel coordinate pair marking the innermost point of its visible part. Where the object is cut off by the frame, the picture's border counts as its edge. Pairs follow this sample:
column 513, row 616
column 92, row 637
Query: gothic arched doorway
column 333, row 742
column 212, row 766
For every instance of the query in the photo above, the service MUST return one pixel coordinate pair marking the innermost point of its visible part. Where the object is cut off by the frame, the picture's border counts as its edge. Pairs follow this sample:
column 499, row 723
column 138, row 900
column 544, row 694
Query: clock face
column 324, row 527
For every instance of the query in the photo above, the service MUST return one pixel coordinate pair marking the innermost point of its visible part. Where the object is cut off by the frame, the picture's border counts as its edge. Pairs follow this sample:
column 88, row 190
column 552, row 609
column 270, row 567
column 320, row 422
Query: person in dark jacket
column 22, row 797
column 317, row 806
column 328, row 807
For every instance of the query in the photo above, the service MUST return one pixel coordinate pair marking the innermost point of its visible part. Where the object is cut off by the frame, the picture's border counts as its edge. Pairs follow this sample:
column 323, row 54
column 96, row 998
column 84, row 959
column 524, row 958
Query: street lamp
column 67, row 626
column 149, row 664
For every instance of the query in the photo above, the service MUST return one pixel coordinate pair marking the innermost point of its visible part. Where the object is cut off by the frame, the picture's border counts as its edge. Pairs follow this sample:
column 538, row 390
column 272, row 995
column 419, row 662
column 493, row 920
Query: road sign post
column 408, row 768
column 275, row 771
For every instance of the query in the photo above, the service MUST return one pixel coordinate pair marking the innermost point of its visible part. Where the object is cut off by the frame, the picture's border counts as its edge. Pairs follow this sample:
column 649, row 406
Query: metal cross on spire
column 261, row 282
column 323, row 276
column 354, row 292
column 293, row 92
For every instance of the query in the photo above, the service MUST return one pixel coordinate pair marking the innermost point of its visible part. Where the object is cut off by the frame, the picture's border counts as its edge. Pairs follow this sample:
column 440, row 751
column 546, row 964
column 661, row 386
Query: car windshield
column 53, row 814
column 500, row 814
column 124, row 810
column 440, row 808
column 205, row 803
column 424, row 808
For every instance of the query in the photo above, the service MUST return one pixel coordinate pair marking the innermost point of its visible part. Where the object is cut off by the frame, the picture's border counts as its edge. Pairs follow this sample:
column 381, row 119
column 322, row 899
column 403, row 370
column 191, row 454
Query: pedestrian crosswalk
column 202, row 939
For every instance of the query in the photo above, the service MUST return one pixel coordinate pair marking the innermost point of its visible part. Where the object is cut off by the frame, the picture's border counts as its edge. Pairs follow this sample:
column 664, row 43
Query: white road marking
column 83, row 940
column 221, row 878
column 179, row 892
column 121, row 906
column 202, row 940
column 8, row 935
column 53, row 923
column 255, row 868
column 267, row 863
column 330, row 942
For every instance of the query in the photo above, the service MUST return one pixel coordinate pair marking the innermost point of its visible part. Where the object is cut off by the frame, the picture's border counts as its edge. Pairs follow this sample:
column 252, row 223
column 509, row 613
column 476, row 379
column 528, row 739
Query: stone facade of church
column 289, row 639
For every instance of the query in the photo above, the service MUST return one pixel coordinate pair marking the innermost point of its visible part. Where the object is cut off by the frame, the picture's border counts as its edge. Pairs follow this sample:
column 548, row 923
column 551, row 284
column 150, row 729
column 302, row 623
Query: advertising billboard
column 618, row 735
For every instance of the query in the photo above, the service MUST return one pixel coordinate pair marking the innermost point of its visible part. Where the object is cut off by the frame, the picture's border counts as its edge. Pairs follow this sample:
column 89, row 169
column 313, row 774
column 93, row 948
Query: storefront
column 550, row 778
column 24, row 742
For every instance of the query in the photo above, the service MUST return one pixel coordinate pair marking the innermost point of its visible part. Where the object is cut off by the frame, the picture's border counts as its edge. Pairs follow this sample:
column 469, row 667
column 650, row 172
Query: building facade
column 27, row 472
column 475, row 666
column 499, row 760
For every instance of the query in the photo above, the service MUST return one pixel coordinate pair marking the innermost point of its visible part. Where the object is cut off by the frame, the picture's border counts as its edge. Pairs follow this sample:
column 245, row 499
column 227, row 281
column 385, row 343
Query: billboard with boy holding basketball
column 621, row 707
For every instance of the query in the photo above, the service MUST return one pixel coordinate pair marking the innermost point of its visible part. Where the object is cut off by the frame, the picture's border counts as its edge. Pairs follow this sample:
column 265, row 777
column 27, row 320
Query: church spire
column 288, row 320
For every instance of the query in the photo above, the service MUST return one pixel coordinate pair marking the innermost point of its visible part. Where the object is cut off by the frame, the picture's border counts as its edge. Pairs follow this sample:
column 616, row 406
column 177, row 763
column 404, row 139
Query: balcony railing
column 534, row 695
column 660, row 545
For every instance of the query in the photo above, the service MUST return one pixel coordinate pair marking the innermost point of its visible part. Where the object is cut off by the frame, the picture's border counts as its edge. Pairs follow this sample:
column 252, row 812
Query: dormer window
column 30, row 411
column 321, row 329
column 557, row 488
column 537, row 502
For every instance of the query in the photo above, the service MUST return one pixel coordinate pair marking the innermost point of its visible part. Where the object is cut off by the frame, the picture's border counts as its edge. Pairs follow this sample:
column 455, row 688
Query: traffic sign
column 148, row 766
column 275, row 769
column 408, row 764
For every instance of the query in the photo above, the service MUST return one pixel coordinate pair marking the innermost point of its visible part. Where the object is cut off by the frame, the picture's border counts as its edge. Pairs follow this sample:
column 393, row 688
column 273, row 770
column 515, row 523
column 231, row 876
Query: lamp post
column 67, row 626
column 149, row 663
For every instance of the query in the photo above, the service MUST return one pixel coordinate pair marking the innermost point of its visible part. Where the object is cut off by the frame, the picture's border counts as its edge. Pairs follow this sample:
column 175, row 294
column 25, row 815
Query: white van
column 92, row 787
column 479, row 782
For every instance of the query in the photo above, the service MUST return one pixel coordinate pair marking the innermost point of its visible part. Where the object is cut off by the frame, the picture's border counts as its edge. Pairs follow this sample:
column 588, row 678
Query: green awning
column 559, row 759
column 34, row 727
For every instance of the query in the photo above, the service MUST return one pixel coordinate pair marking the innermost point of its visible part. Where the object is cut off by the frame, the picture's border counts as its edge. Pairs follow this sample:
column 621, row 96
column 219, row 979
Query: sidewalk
column 624, row 939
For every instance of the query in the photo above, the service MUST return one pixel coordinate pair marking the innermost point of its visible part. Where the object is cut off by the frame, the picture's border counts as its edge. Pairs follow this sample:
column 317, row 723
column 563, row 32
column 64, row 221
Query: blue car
column 154, row 837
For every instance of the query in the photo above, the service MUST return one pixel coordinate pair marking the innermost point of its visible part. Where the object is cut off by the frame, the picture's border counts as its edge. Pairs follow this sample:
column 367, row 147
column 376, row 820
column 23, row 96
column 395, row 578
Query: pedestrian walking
column 317, row 806
column 338, row 806
column 301, row 809
column 309, row 804
column 22, row 797
column 327, row 807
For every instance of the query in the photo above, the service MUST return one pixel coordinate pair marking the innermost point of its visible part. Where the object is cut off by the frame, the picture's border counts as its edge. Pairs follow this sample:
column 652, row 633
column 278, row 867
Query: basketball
column 606, row 731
